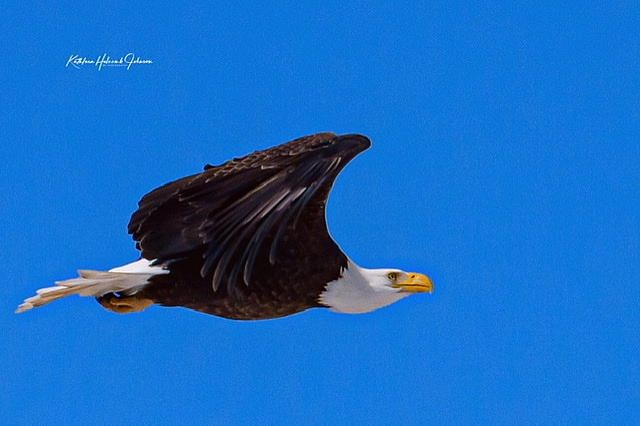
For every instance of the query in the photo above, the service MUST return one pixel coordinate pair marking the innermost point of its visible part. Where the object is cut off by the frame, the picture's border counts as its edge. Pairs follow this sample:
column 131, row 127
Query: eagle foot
column 124, row 304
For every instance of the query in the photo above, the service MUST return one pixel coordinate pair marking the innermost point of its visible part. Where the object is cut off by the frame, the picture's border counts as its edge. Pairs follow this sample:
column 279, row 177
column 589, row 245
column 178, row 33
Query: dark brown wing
column 229, row 212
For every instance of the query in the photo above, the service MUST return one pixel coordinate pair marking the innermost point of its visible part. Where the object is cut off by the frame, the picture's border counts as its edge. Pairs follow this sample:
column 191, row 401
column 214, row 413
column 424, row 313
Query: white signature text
column 126, row 61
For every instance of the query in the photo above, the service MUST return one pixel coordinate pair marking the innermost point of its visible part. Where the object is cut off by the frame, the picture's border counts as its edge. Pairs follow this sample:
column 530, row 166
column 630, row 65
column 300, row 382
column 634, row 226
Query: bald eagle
column 245, row 240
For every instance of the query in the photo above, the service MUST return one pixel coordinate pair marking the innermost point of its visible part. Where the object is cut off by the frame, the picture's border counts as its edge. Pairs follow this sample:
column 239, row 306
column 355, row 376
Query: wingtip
column 358, row 141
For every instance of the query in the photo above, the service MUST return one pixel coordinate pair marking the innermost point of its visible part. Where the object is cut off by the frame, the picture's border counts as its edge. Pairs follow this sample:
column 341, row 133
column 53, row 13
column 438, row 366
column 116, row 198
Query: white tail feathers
column 127, row 280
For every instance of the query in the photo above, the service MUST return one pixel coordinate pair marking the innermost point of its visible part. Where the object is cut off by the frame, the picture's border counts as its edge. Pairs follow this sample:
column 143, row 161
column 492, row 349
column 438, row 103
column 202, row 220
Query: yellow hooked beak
column 416, row 283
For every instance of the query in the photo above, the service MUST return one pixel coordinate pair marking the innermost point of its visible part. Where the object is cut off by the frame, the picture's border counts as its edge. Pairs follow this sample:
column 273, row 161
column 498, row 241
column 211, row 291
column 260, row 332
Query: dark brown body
column 291, row 285
column 247, row 239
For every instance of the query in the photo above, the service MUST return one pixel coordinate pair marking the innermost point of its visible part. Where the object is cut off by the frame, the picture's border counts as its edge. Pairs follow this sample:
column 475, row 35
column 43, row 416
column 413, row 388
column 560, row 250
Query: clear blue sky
column 505, row 165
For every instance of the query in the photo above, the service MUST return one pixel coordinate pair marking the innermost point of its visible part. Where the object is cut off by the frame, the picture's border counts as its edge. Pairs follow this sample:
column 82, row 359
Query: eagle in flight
column 245, row 240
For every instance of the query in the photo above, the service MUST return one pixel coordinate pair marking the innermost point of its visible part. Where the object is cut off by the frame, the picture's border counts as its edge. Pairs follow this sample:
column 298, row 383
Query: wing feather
column 229, row 212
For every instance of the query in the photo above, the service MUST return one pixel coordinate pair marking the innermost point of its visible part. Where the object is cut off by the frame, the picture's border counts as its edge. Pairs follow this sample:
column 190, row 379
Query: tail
column 126, row 280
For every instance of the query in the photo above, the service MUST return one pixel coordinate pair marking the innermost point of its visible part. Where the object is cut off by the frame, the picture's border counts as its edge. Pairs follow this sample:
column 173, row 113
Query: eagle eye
column 392, row 276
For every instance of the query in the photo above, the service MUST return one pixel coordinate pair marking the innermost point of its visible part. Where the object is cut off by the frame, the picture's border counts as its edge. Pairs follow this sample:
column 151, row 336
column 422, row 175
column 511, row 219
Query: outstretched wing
column 231, row 211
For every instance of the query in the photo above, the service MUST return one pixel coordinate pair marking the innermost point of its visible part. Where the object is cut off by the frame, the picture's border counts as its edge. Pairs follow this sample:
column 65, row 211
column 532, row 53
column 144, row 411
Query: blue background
column 505, row 165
